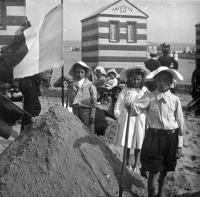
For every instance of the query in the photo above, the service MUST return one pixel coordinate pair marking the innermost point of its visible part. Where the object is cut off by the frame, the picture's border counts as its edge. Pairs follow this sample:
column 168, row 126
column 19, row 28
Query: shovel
column 121, row 186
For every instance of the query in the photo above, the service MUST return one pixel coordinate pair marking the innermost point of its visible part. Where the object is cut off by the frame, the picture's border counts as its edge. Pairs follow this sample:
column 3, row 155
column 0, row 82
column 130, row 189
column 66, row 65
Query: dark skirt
column 159, row 150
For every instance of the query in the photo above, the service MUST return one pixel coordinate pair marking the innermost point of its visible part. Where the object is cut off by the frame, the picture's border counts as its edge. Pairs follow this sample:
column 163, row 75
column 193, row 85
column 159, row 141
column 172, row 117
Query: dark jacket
column 152, row 64
column 170, row 62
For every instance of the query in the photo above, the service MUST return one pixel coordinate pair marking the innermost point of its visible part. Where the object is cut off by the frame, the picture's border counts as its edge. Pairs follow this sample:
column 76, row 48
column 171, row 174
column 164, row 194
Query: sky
column 169, row 20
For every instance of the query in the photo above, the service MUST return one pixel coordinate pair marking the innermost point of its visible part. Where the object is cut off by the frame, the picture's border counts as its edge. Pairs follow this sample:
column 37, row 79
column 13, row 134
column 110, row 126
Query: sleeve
column 119, row 105
column 93, row 94
column 175, row 63
column 181, row 124
column 140, row 105
column 115, row 83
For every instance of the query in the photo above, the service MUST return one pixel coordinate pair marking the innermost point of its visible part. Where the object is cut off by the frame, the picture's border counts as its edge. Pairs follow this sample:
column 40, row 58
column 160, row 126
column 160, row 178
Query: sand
column 185, row 181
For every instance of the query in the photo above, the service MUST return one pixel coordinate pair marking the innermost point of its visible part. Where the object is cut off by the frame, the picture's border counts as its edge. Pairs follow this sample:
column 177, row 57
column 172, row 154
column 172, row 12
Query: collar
column 162, row 95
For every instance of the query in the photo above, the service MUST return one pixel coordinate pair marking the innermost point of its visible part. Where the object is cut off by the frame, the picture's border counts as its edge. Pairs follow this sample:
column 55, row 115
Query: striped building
column 115, row 36
column 12, row 17
column 198, row 45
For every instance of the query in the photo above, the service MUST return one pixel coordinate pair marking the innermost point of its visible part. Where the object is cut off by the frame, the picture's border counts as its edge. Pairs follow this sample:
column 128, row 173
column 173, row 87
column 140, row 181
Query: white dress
column 137, row 123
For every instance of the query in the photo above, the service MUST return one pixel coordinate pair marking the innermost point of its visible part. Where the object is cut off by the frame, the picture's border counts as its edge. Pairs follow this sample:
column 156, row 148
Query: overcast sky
column 169, row 20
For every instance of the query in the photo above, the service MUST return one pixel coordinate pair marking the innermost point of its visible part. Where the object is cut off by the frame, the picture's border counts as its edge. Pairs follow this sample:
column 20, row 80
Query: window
column 114, row 31
column 131, row 32
column 2, row 14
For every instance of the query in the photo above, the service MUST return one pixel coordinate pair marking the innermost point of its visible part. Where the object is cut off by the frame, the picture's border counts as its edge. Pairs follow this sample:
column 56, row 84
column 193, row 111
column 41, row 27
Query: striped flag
column 45, row 45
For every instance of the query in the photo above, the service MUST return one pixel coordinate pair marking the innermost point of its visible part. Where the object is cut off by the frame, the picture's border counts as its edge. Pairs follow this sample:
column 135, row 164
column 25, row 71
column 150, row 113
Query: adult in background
column 152, row 64
column 30, row 88
column 170, row 62
column 82, row 95
column 166, row 60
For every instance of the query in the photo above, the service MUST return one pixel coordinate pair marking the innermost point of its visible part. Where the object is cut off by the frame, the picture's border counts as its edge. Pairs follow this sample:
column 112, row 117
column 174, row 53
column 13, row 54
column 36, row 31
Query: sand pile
column 57, row 157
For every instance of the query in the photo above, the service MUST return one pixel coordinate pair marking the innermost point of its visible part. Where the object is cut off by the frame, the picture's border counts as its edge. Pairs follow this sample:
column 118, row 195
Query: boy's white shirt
column 156, row 119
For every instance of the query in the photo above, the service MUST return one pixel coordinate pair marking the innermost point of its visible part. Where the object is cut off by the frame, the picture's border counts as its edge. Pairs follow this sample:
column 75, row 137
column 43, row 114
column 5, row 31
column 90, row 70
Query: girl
column 134, row 90
column 112, row 79
column 82, row 95
column 164, row 137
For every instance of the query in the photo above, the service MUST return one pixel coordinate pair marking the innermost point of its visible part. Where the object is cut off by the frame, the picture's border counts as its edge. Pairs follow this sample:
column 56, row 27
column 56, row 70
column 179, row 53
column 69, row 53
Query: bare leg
column 152, row 184
column 137, row 158
column 162, row 182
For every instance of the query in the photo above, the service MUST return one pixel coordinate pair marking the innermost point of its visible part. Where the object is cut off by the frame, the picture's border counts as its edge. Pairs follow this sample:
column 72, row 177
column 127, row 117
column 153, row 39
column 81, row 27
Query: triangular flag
column 45, row 45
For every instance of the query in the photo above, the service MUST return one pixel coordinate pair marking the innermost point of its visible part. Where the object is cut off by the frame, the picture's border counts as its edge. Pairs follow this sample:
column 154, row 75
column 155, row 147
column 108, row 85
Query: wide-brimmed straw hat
column 124, row 73
column 82, row 64
column 175, row 74
column 101, row 69
column 112, row 71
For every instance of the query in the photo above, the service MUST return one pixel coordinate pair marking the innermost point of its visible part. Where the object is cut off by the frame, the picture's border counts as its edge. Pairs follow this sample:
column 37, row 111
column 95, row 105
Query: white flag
column 45, row 45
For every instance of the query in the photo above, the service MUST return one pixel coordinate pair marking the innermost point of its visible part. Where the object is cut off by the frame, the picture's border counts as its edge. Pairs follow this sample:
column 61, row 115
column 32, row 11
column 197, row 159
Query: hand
column 92, row 120
column 128, row 106
column 179, row 152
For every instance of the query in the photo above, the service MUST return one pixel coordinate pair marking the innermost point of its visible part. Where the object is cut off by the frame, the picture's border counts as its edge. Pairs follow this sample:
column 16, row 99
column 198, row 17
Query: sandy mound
column 57, row 157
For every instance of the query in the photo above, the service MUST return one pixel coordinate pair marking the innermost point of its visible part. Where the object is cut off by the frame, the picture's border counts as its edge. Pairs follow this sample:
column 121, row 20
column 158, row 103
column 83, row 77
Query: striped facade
column 13, row 14
column 97, row 49
column 198, row 45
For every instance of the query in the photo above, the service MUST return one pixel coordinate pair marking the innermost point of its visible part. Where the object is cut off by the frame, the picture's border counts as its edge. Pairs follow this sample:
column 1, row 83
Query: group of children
column 104, row 82
column 156, row 126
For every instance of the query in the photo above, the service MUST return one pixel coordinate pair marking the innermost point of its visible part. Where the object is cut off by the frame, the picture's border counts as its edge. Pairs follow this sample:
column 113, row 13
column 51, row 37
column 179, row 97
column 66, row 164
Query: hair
column 153, row 55
column 137, row 71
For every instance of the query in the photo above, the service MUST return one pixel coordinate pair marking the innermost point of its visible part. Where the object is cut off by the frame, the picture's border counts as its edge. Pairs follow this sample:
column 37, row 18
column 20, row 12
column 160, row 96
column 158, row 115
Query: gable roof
column 99, row 12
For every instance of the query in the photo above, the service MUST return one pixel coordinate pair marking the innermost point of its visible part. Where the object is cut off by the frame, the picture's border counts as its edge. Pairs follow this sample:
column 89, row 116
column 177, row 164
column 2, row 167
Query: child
column 164, row 137
column 82, row 95
column 134, row 90
column 112, row 79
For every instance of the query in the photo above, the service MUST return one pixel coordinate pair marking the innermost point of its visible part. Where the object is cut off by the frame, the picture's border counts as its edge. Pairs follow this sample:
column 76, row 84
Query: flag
column 45, row 45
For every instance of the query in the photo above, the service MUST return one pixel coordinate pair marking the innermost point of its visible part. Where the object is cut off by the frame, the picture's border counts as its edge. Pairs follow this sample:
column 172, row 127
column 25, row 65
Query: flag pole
column 62, row 71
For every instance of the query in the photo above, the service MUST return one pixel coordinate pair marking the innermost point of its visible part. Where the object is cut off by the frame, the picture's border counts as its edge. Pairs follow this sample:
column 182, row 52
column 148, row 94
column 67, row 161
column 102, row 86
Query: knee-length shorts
column 159, row 150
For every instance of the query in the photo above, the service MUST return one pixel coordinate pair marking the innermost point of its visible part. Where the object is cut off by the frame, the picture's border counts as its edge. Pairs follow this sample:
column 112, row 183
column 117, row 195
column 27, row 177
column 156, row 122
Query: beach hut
column 115, row 36
column 198, row 45
column 12, row 17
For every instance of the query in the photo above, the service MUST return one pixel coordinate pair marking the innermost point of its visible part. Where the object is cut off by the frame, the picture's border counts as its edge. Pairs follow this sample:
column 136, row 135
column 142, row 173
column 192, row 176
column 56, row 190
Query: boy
column 164, row 136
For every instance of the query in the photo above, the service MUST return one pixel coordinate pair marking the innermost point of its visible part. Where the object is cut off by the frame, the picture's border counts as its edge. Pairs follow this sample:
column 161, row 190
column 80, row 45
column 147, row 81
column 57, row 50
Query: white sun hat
column 112, row 71
column 101, row 69
column 80, row 63
column 175, row 74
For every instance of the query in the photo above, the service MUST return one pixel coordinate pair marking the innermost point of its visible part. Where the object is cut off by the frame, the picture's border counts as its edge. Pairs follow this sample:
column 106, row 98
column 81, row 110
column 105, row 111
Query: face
column 163, row 81
column 135, row 80
column 112, row 75
column 98, row 73
column 79, row 72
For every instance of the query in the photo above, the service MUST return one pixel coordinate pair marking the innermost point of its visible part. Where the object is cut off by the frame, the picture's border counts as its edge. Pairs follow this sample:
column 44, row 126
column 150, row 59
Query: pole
column 62, row 71
column 121, row 186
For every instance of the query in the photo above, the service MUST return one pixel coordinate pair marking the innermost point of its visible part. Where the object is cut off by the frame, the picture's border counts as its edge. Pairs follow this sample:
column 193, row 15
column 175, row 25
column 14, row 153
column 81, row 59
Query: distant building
column 187, row 49
column 115, row 36
column 12, row 17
